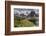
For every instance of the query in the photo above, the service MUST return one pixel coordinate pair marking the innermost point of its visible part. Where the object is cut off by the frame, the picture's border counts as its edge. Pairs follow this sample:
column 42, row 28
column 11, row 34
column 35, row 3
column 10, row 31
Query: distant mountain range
column 31, row 14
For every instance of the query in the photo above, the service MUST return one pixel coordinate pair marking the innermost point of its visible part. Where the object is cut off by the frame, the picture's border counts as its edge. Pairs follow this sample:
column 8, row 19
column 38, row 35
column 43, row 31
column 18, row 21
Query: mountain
column 31, row 14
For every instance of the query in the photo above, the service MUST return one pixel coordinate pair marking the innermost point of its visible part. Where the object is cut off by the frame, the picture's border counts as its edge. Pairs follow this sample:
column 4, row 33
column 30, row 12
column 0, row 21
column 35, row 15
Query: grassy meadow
column 22, row 22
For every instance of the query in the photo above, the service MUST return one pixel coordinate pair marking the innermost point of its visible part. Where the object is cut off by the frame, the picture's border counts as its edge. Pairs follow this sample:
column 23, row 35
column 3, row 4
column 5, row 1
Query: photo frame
column 24, row 17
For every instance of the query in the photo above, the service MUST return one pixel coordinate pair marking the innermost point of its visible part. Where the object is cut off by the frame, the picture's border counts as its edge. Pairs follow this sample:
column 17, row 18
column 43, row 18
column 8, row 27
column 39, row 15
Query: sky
column 21, row 10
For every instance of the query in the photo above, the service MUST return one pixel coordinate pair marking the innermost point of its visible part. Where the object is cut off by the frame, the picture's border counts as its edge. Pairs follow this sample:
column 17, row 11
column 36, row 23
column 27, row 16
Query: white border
column 26, row 28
